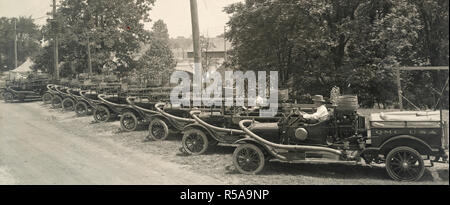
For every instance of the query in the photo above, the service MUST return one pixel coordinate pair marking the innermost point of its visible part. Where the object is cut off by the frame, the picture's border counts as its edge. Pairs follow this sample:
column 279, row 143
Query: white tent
column 25, row 67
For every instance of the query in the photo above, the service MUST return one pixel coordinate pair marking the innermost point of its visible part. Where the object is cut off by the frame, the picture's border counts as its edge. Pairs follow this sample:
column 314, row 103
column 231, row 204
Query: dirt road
column 35, row 149
column 39, row 145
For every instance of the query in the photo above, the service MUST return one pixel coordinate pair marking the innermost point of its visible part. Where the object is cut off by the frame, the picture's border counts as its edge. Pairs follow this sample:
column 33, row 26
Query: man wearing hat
column 321, row 113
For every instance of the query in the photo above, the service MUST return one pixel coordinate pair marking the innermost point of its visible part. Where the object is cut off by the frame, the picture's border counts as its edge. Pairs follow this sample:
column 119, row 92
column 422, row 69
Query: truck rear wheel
column 81, row 108
column 248, row 159
column 47, row 98
column 404, row 164
column 102, row 114
column 158, row 130
column 56, row 101
column 128, row 121
column 195, row 142
column 8, row 97
column 68, row 104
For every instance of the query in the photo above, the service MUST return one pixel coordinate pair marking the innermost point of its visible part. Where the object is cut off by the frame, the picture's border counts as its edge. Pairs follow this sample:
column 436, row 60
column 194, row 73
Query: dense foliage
column 318, row 44
column 157, row 62
column 114, row 31
column 28, row 36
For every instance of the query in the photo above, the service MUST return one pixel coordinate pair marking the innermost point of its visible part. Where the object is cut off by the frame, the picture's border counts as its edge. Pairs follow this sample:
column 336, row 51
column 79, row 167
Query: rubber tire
column 67, row 108
column 165, row 127
column 260, row 156
column 47, row 98
column 85, row 107
column 57, row 98
column 104, row 108
column 132, row 116
column 408, row 149
column 201, row 134
column 8, row 97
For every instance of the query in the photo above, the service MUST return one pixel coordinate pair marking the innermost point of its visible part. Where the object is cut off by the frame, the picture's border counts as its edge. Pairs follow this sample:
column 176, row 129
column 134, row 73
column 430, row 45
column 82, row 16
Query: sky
column 176, row 14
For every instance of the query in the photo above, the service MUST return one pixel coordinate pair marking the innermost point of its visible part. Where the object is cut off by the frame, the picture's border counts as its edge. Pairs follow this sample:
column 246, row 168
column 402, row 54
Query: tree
column 434, row 35
column 320, row 44
column 114, row 29
column 205, row 46
column 160, row 31
column 388, row 31
column 28, row 36
column 158, row 61
column 433, row 50
column 305, row 40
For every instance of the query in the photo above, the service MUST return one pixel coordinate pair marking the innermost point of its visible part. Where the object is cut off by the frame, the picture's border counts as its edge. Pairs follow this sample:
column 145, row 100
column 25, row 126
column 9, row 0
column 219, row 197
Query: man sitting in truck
column 321, row 113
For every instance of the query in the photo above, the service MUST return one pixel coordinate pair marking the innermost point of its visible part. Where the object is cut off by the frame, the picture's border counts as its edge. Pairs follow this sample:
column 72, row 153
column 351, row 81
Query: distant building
column 217, row 50
column 216, row 55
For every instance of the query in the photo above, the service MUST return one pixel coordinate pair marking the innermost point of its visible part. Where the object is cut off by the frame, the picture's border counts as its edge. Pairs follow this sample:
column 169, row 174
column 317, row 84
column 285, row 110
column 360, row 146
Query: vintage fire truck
column 406, row 142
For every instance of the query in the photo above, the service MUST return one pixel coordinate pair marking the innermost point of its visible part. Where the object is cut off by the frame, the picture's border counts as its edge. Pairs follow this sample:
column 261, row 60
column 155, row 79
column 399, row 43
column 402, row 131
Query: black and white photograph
column 224, row 92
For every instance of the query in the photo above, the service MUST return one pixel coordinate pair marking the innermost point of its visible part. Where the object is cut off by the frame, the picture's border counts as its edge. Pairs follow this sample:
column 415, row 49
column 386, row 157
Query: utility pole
column 195, row 32
column 225, row 42
column 399, row 89
column 15, row 43
column 55, row 43
column 89, row 58
column 197, row 54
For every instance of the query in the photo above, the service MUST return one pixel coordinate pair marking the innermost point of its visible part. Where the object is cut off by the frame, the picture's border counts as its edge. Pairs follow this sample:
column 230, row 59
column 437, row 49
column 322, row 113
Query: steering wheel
column 296, row 111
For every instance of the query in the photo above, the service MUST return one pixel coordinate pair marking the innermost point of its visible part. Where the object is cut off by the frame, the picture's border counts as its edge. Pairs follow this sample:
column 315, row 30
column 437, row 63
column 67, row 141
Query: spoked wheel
column 248, row 159
column 47, row 98
column 102, row 114
column 158, row 130
column 68, row 104
column 8, row 97
column 56, row 101
column 128, row 121
column 195, row 142
column 405, row 164
column 81, row 108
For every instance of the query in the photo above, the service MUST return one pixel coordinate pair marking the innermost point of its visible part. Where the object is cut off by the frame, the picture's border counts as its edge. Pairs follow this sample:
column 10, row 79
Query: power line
column 15, row 43
column 55, row 43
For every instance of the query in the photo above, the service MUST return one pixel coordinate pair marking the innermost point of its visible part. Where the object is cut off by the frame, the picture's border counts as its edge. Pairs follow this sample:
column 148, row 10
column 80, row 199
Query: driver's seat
column 318, row 123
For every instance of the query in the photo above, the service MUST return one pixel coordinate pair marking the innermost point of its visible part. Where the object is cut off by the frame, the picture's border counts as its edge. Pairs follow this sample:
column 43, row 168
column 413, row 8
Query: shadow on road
column 220, row 150
column 26, row 101
column 339, row 171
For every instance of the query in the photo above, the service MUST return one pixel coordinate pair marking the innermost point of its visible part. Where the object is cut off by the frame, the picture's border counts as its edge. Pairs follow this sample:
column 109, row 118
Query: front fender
column 159, row 116
column 136, row 113
column 199, row 127
column 102, row 104
column 246, row 140
column 266, row 149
